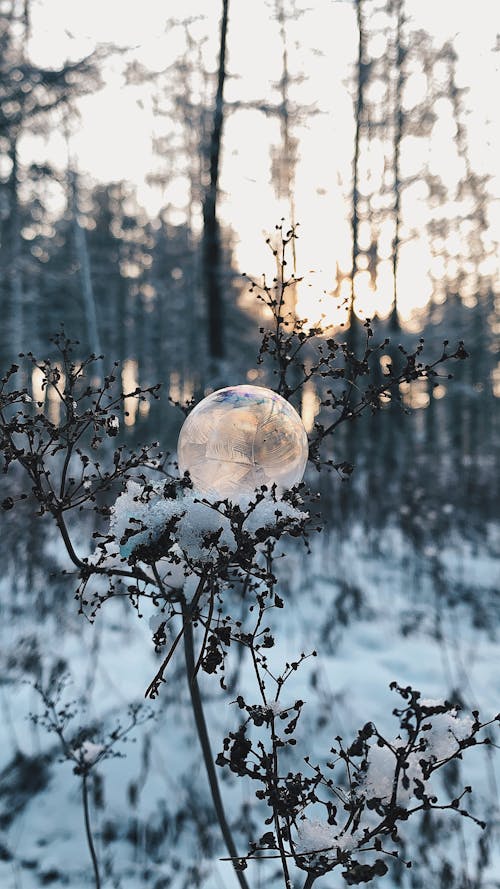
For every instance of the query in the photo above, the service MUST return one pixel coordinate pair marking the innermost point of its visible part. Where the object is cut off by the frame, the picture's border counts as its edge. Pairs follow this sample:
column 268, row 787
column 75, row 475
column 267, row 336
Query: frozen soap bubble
column 240, row 438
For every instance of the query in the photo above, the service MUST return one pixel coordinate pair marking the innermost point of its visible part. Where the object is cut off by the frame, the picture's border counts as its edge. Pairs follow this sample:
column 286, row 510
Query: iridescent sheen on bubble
column 240, row 438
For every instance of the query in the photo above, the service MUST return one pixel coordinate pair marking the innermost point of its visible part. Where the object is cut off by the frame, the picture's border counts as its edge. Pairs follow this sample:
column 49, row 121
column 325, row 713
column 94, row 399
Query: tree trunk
column 359, row 109
column 82, row 257
column 212, row 253
column 14, row 272
column 286, row 171
column 398, row 135
column 286, row 167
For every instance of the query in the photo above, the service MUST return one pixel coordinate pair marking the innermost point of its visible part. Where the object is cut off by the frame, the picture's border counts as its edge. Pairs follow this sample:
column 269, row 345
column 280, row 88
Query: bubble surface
column 240, row 438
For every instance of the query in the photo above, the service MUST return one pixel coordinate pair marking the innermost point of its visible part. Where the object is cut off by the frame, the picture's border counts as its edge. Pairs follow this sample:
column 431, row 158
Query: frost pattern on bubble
column 240, row 438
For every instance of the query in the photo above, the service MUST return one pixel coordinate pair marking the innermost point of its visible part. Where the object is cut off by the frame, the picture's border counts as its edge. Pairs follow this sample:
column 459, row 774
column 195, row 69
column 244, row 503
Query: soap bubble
column 240, row 438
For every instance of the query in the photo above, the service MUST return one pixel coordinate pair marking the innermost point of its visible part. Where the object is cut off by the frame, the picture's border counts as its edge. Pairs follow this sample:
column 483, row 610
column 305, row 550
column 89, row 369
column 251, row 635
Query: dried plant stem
column 88, row 831
column 201, row 728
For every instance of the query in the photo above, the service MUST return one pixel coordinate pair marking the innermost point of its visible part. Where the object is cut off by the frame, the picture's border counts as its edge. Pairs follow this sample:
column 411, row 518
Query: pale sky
column 113, row 139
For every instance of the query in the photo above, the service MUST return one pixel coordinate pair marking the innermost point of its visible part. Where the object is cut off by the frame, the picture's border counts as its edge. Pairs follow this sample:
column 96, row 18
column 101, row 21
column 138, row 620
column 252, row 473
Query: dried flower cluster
column 193, row 558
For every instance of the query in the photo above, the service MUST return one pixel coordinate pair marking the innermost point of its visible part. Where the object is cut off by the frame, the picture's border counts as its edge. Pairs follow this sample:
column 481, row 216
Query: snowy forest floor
column 376, row 609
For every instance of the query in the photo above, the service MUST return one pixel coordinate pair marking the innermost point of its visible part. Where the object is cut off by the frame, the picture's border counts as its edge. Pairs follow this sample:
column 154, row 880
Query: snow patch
column 323, row 839
column 270, row 512
column 445, row 734
column 89, row 752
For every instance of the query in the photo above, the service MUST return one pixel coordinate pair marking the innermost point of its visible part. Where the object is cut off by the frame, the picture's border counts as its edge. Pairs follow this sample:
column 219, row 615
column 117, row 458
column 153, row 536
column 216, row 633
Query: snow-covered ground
column 374, row 608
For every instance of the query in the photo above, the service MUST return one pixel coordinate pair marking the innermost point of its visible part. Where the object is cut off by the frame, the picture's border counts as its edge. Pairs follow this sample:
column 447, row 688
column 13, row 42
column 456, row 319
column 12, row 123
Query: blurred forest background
column 404, row 220
column 143, row 161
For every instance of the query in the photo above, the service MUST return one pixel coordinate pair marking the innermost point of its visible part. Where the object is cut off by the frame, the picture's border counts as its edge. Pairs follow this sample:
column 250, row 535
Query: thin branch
column 205, row 637
column 88, row 831
column 201, row 728
column 152, row 689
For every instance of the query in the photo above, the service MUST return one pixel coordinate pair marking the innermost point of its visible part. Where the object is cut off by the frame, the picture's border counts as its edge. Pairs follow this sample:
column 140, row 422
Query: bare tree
column 361, row 79
column 14, row 269
column 82, row 257
column 211, row 264
column 400, row 54
column 285, row 157
column 29, row 94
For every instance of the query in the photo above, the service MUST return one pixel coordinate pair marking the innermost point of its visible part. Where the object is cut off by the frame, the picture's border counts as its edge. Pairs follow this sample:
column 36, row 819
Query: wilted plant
column 160, row 540
column 78, row 745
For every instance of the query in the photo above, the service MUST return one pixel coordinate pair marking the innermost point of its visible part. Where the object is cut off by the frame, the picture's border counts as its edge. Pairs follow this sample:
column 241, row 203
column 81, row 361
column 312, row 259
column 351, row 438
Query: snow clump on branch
column 442, row 741
column 318, row 837
column 142, row 514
